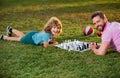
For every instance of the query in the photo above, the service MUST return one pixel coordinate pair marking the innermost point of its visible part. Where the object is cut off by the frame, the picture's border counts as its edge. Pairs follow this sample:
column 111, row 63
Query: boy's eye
column 58, row 27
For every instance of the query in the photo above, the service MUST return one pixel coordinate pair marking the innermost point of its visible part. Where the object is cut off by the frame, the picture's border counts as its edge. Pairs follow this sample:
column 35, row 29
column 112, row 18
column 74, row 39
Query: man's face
column 99, row 23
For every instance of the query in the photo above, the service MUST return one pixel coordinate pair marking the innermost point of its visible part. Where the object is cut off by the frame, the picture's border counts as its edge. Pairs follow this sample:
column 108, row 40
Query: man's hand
column 93, row 46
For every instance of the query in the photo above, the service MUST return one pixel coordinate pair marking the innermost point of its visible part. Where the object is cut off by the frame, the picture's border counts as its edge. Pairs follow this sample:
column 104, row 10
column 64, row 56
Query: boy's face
column 55, row 30
column 99, row 23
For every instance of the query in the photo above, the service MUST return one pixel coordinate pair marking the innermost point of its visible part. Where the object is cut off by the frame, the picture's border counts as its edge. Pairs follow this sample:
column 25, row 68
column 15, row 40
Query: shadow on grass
column 113, row 53
column 4, row 76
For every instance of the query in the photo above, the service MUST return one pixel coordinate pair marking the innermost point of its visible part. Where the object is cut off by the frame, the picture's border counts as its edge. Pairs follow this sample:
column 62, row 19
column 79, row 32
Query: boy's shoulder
column 45, row 33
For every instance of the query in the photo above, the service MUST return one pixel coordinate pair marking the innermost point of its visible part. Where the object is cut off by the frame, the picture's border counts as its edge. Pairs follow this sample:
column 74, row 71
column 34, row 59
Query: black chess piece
column 87, row 45
column 79, row 48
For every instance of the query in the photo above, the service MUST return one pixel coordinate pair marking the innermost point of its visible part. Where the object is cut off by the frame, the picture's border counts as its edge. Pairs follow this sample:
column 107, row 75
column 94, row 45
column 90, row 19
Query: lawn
column 18, row 60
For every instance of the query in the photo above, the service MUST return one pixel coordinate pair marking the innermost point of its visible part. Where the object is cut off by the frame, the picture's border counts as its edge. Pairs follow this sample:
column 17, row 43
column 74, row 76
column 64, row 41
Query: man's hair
column 53, row 22
column 98, row 13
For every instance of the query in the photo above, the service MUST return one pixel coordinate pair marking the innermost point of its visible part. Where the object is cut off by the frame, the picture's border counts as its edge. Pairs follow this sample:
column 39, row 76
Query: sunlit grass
column 18, row 60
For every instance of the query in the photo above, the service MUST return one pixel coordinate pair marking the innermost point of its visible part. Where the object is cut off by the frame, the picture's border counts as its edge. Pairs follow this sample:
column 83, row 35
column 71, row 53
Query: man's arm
column 101, row 50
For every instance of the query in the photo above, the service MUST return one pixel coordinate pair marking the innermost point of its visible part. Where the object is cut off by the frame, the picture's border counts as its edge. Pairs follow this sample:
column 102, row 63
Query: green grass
column 19, row 60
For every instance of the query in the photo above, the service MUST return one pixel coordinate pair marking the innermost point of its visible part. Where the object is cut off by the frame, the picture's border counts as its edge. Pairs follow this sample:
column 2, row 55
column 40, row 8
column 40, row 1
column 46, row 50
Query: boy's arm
column 50, row 43
column 46, row 44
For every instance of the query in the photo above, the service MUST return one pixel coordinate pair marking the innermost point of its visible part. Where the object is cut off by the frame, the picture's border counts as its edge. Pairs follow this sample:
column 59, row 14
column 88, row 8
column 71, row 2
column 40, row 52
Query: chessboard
column 74, row 45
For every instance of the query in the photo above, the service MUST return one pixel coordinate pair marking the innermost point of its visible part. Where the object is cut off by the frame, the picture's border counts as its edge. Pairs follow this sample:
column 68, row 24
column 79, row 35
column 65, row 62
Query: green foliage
column 19, row 60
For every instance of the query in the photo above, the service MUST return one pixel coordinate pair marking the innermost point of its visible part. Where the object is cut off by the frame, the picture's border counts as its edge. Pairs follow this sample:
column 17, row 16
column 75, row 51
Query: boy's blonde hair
column 53, row 22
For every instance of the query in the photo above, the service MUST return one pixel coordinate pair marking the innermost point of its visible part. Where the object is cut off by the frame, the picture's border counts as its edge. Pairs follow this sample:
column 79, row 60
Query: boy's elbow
column 45, row 46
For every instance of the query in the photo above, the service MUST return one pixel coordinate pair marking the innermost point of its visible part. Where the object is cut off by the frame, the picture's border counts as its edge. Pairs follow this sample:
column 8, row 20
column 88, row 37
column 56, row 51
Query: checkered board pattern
column 74, row 45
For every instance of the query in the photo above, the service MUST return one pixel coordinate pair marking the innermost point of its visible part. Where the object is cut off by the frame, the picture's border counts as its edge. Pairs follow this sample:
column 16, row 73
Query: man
column 110, row 34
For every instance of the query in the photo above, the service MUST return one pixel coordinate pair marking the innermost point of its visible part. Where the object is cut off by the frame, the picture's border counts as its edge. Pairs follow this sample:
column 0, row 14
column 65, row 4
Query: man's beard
column 103, row 26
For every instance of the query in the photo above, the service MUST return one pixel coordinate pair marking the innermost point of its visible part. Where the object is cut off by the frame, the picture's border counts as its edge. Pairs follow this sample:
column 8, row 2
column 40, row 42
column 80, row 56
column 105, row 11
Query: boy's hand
column 55, row 43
